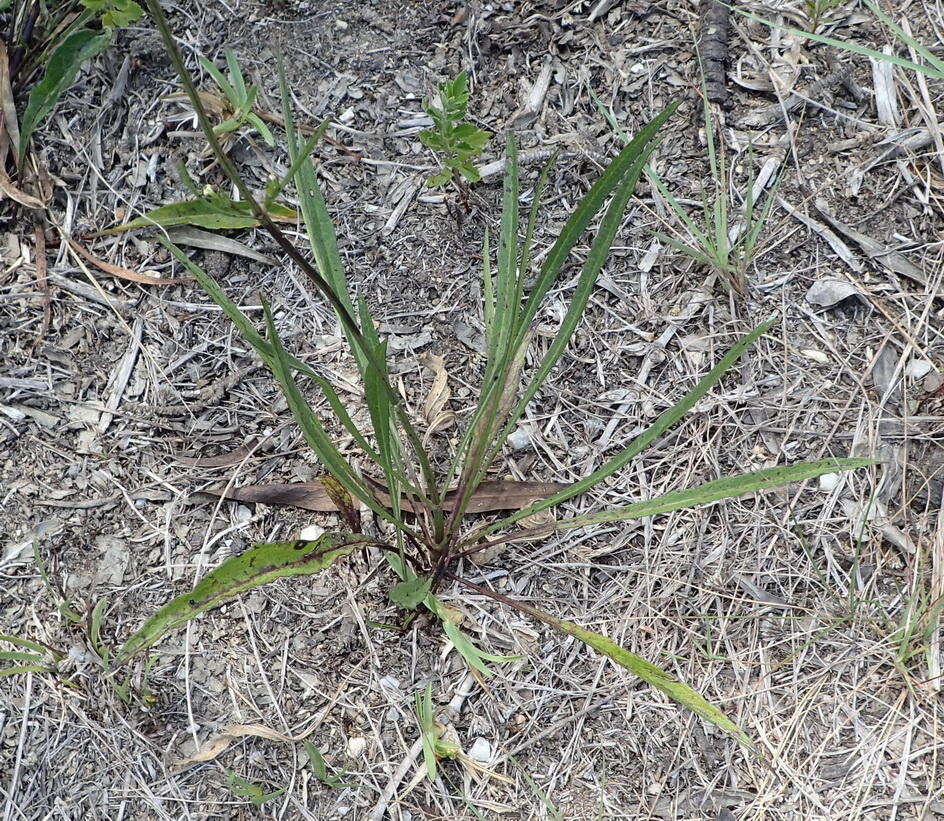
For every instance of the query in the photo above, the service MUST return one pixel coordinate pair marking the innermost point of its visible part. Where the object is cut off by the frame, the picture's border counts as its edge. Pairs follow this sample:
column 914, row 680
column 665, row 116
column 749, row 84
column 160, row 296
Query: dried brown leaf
column 219, row 743
column 488, row 497
column 435, row 412
column 124, row 273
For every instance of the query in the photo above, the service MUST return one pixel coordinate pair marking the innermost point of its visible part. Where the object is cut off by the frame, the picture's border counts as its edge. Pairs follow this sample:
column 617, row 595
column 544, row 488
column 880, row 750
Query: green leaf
column 314, row 432
column 724, row 488
column 423, row 703
column 665, row 420
column 212, row 211
column 264, row 349
column 676, row 690
column 936, row 69
column 433, row 140
column 246, row 789
column 319, row 768
column 20, row 655
column 440, row 179
column 410, row 594
column 257, row 566
column 28, row 643
column 63, row 65
column 19, row 669
column 473, row 656
column 586, row 210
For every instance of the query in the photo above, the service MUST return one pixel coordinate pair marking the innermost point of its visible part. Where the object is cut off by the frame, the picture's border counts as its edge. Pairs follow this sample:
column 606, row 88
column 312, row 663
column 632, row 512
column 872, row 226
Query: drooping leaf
column 63, row 65
column 662, row 423
column 214, row 212
column 727, row 487
column 678, row 691
column 257, row 566
column 473, row 656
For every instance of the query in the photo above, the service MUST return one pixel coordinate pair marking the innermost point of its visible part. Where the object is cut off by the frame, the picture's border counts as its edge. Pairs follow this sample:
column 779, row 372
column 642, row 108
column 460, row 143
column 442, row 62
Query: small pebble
column 356, row 745
column 480, row 751
column 828, row 481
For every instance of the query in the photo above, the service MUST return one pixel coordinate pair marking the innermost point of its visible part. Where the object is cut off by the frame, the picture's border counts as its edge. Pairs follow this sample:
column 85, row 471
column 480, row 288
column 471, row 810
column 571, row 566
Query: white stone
column 828, row 481
column 480, row 751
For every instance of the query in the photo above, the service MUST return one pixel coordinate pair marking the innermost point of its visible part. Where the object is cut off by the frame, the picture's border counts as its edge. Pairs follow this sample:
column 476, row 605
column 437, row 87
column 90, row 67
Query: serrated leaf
column 214, row 212
column 63, row 65
column 469, row 171
column 439, row 179
column 411, row 593
column 432, row 140
column 259, row 565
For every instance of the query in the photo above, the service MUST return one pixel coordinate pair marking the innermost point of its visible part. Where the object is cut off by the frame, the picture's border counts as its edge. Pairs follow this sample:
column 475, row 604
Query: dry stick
column 43, row 282
column 348, row 321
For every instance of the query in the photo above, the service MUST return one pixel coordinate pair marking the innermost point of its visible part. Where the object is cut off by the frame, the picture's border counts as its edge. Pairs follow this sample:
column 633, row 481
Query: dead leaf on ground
column 435, row 412
column 217, row 744
column 124, row 273
column 490, row 496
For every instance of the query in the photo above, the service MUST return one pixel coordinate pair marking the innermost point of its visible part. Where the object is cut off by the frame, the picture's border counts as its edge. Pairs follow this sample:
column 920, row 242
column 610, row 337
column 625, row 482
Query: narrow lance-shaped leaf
column 321, row 235
column 257, row 566
column 936, row 69
column 265, row 351
column 676, row 690
column 314, row 432
column 586, row 210
column 61, row 68
column 599, row 250
column 725, row 488
column 647, row 437
column 656, row 677
column 214, row 212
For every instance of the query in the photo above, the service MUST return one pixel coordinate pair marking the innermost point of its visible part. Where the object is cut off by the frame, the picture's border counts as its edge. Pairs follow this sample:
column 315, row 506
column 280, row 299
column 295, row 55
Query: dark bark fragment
column 713, row 49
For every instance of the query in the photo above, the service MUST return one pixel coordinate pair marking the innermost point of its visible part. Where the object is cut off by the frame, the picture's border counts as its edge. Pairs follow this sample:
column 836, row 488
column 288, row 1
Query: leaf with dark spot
column 343, row 501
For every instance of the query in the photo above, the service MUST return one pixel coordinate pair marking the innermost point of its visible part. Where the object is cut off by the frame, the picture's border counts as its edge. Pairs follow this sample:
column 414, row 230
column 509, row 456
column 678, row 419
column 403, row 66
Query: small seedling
column 818, row 12
column 319, row 768
column 933, row 66
column 246, row 789
column 457, row 142
column 58, row 41
column 723, row 242
column 239, row 98
column 434, row 747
